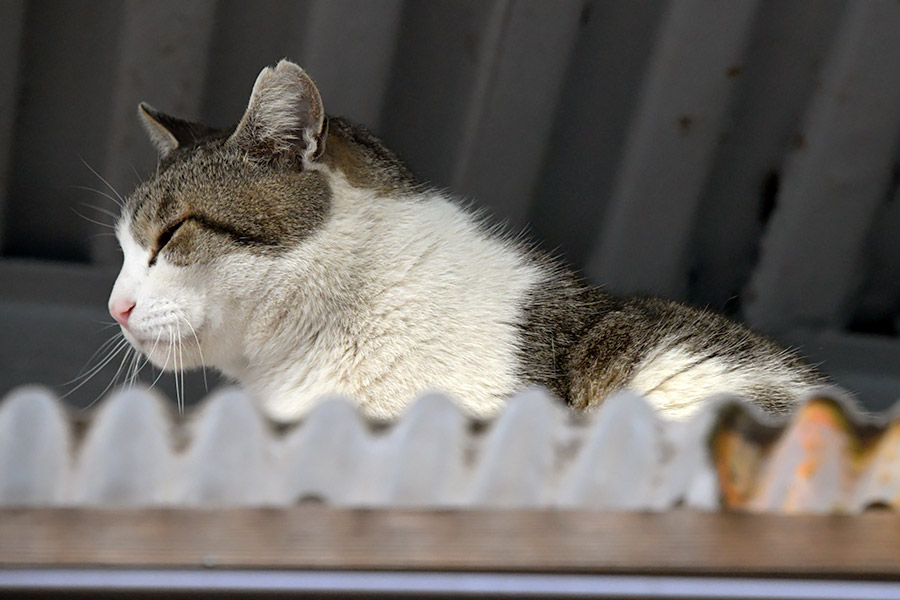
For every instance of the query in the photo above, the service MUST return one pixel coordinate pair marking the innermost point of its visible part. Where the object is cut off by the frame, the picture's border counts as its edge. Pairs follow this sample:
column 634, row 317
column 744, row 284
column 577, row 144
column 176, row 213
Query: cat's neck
column 387, row 282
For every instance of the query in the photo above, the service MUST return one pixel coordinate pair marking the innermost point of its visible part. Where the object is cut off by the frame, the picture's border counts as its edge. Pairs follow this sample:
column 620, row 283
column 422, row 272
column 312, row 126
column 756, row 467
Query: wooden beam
column 318, row 537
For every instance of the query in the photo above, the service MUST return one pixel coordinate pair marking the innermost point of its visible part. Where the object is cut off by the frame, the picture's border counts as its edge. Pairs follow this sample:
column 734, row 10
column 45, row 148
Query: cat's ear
column 285, row 116
column 168, row 133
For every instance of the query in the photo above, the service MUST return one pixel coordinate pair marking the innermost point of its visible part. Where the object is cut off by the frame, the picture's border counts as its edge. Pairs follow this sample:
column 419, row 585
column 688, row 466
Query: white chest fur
column 389, row 299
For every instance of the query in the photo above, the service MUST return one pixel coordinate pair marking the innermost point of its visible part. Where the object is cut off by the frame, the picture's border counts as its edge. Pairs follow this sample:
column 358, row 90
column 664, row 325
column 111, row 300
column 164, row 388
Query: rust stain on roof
column 828, row 457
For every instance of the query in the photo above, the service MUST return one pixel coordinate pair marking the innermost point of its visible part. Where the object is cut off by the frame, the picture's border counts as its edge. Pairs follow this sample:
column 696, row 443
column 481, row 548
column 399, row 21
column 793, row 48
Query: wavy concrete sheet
column 35, row 449
column 829, row 458
column 134, row 451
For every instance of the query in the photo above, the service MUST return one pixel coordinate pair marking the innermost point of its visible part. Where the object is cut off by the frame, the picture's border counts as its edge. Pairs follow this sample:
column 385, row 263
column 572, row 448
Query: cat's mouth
column 148, row 346
column 165, row 340
column 146, row 343
column 170, row 352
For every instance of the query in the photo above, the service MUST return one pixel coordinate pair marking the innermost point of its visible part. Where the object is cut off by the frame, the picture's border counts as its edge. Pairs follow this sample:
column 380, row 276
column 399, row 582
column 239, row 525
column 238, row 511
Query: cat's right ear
column 167, row 132
column 285, row 116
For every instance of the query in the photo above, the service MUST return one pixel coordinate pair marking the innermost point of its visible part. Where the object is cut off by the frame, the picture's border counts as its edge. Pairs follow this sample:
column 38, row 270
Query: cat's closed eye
column 165, row 237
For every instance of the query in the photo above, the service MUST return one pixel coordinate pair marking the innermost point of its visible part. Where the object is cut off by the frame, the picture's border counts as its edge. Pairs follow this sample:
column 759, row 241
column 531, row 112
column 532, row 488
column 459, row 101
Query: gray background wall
column 740, row 155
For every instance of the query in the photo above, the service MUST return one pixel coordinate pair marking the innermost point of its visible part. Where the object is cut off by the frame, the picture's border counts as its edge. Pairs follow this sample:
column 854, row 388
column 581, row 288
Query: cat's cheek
column 182, row 288
column 215, row 317
column 134, row 263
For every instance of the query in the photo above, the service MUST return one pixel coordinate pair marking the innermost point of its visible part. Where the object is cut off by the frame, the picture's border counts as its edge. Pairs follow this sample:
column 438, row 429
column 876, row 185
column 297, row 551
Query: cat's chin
column 170, row 355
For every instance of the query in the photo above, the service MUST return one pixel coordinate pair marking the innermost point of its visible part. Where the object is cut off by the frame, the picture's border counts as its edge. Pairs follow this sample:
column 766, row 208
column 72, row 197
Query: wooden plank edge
column 679, row 542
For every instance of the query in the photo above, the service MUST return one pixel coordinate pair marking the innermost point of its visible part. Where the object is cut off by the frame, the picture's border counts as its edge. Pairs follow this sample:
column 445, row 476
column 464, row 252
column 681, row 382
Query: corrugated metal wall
column 741, row 155
column 534, row 454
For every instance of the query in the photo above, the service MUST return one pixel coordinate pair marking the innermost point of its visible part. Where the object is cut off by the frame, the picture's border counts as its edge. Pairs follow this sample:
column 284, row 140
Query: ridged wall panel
column 741, row 156
column 134, row 450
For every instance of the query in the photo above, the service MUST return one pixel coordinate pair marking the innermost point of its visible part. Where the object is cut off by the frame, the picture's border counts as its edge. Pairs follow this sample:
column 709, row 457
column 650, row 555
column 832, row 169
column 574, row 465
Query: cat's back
column 485, row 315
column 678, row 356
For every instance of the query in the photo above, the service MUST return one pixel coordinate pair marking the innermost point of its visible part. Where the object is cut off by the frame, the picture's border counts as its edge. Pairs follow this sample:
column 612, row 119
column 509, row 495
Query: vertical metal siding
column 62, row 118
column 779, row 71
column 12, row 17
column 672, row 139
column 739, row 155
column 615, row 41
column 515, row 97
column 835, row 180
column 163, row 44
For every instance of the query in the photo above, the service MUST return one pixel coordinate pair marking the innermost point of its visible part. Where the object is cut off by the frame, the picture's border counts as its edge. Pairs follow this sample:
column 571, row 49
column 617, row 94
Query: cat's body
column 301, row 258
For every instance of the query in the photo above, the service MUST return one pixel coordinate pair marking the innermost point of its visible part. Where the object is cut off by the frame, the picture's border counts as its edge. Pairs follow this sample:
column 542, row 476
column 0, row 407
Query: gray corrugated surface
column 835, row 181
column 179, row 31
column 690, row 81
column 535, row 454
column 692, row 148
column 131, row 452
column 12, row 17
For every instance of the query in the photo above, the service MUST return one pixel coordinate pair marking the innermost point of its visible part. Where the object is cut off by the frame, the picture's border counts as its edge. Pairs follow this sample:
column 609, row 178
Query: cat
column 296, row 254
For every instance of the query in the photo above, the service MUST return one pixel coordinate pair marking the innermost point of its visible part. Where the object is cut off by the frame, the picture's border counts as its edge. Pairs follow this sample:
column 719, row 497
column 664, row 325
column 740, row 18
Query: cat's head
column 199, row 236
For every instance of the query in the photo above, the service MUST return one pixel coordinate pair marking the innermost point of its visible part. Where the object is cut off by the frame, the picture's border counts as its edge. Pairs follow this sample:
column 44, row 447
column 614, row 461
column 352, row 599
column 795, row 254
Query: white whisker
column 102, row 193
column 104, row 346
column 165, row 363
column 94, row 221
column 180, row 368
column 121, row 345
column 101, row 210
column 137, row 175
column 174, row 351
column 121, row 200
column 132, row 369
column 199, row 351
column 113, row 381
column 152, row 350
column 115, row 378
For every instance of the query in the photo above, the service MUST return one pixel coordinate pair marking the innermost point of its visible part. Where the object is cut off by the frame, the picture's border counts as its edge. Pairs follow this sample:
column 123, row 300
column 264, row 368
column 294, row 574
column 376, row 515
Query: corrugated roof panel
column 133, row 451
column 35, row 449
column 880, row 482
column 828, row 458
column 125, row 458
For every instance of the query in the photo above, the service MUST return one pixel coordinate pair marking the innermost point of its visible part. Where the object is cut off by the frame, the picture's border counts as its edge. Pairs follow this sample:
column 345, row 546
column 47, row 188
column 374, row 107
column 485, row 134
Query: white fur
column 677, row 381
column 679, row 395
column 388, row 299
column 168, row 307
column 391, row 297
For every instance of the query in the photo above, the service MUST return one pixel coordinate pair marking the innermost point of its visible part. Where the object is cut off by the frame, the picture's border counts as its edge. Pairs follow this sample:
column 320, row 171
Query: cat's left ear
column 167, row 132
column 285, row 116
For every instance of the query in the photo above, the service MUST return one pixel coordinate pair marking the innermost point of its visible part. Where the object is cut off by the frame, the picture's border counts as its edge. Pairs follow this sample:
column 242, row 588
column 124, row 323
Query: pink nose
column 121, row 309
